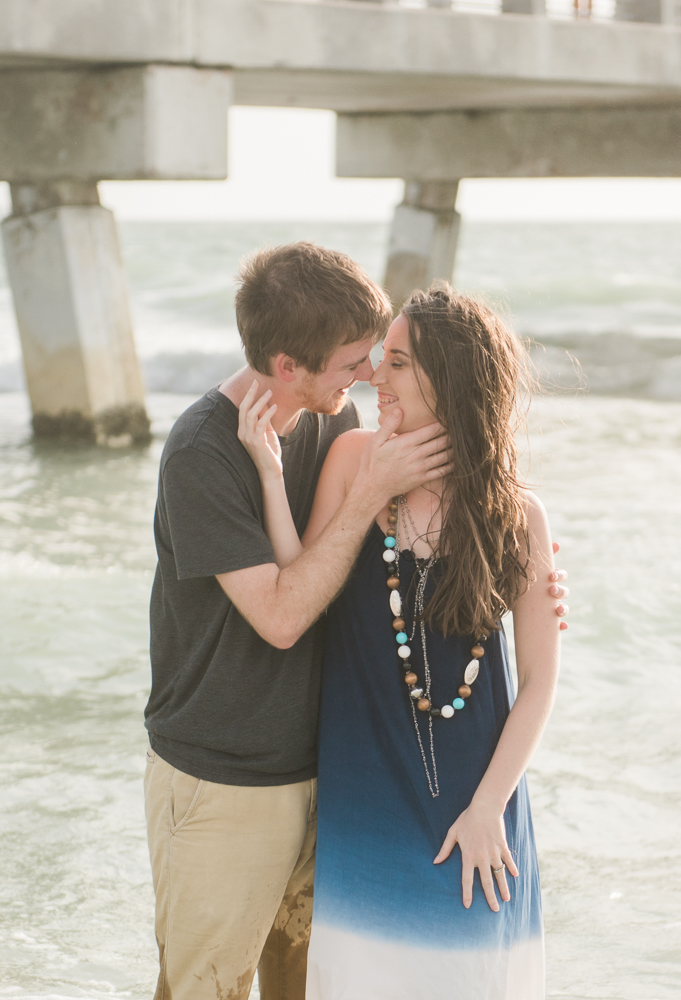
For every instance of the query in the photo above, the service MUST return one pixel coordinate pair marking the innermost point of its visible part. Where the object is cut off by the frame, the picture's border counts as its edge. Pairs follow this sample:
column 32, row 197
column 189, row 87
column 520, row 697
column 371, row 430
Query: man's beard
column 316, row 404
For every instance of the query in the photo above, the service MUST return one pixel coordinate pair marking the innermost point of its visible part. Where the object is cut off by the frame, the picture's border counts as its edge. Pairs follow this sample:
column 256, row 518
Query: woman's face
column 396, row 382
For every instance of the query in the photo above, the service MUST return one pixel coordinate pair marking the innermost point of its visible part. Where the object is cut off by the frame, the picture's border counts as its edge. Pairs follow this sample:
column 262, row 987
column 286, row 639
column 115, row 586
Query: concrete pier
column 62, row 131
column 73, row 314
column 529, row 142
column 423, row 238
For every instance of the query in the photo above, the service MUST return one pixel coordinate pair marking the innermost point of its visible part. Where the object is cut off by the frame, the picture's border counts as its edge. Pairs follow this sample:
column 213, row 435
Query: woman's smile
column 385, row 399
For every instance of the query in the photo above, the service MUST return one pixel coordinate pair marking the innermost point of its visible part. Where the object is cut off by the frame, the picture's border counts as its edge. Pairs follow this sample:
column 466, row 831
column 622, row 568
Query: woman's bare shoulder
column 344, row 453
column 538, row 527
column 532, row 505
column 353, row 440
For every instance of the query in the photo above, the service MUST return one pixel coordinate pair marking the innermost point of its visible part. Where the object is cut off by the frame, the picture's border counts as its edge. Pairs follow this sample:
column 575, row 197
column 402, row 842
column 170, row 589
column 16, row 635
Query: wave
column 620, row 364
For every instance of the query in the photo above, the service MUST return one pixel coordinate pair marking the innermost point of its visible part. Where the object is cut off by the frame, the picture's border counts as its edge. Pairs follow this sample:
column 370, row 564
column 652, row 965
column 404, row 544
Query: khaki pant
column 233, row 869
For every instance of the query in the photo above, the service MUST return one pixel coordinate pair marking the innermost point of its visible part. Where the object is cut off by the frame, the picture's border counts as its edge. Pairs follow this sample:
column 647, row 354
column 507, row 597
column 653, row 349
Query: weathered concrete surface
column 354, row 91
column 423, row 238
column 285, row 52
column 135, row 122
column 537, row 7
column 651, row 11
column 71, row 302
column 584, row 142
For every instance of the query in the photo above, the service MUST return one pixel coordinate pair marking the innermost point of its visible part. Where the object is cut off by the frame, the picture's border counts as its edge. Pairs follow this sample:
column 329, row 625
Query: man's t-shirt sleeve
column 213, row 526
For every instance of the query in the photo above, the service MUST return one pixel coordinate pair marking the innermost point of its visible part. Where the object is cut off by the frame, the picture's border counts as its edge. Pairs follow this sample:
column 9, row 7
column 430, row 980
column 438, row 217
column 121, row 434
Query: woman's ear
column 285, row 368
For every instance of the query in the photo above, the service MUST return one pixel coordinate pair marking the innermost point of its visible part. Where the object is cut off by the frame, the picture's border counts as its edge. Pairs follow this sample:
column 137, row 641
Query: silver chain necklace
column 419, row 605
column 419, row 698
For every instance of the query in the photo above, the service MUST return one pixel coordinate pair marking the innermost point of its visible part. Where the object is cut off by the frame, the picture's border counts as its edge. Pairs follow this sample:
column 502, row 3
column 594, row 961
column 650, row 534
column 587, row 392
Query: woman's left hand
column 257, row 434
column 481, row 835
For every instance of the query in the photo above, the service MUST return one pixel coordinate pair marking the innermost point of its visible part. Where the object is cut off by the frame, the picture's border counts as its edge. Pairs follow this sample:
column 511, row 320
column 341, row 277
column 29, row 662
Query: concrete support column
column 73, row 313
column 650, row 11
column 423, row 239
column 537, row 7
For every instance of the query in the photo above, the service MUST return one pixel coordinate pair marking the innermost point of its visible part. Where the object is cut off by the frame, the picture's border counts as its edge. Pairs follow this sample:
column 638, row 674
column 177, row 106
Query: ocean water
column 76, row 564
column 603, row 301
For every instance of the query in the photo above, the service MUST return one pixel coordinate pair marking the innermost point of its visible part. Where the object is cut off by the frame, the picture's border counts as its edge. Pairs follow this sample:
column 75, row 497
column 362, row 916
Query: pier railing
column 666, row 12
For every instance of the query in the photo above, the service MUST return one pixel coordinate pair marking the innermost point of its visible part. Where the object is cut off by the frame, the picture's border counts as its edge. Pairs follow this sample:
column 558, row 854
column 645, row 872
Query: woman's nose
column 378, row 375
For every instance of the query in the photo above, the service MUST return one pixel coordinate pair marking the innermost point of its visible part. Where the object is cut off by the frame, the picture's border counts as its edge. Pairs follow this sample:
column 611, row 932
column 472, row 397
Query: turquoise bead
column 390, row 542
column 458, row 703
column 401, row 637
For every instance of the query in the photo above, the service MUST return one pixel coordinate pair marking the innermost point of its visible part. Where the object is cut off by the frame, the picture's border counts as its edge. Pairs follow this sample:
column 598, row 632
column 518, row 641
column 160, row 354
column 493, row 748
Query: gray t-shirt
column 226, row 706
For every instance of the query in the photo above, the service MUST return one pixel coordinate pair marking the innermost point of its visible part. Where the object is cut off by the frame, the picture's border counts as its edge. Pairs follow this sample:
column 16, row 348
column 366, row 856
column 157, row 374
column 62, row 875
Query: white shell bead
column 389, row 556
column 416, row 693
column 447, row 711
column 471, row 671
column 395, row 599
column 404, row 652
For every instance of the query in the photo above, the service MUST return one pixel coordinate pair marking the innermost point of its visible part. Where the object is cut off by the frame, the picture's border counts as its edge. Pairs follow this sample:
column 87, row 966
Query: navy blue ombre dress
column 389, row 924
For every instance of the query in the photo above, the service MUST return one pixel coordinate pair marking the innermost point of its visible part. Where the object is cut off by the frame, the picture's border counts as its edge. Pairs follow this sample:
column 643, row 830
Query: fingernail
column 561, row 609
column 554, row 576
column 563, row 626
column 555, row 591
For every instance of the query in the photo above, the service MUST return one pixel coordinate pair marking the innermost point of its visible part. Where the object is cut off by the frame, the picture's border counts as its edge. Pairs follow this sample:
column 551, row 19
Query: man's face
column 327, row 391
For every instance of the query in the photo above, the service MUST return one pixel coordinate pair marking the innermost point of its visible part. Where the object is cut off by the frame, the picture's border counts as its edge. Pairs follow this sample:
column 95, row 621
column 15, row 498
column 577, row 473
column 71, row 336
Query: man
column 235, row 648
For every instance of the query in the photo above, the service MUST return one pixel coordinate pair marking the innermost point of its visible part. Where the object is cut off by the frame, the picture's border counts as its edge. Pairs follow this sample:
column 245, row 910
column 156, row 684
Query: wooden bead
column 393, row 582
column 392, row 508
column 399, row 624
column 392, row 519
column 464, row 691
column 477, row 652
column 410, row 678
column 390, row 533
column 423, row 704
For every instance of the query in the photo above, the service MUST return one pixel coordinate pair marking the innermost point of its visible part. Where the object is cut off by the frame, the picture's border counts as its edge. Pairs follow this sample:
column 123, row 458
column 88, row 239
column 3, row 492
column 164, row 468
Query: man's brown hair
column 305, row 301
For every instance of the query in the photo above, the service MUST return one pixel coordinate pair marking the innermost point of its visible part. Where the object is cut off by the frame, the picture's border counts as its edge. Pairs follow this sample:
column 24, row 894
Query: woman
column 422, row 746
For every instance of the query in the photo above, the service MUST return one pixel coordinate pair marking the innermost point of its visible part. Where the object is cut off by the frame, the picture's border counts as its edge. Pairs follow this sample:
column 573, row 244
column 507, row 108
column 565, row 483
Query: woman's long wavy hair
column 475, row 366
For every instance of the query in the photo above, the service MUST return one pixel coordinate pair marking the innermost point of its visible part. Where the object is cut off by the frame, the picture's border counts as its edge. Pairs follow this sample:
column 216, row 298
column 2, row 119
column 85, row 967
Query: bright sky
column 281, row 166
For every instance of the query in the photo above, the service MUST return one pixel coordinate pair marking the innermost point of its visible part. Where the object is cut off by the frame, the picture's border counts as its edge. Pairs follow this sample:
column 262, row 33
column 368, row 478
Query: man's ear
column 285, row 368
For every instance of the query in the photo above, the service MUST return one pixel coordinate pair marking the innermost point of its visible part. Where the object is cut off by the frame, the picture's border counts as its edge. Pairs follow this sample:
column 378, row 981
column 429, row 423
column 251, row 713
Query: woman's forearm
column 279, row 525
column 537, row 646
column 518, row 741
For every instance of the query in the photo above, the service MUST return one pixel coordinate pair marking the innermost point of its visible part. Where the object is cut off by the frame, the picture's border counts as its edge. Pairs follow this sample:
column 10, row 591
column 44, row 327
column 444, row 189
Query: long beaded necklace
column 419, row 697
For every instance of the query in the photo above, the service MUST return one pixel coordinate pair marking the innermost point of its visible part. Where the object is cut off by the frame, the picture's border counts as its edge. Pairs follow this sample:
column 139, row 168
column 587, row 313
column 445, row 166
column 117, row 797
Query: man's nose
column 365, row 371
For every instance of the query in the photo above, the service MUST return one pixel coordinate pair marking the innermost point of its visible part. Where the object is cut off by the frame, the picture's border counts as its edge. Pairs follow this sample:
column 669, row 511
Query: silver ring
column 497, row 870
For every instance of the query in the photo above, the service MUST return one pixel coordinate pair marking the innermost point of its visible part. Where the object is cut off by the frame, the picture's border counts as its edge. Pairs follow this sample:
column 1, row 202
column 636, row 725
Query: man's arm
column 282, row 604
